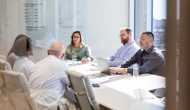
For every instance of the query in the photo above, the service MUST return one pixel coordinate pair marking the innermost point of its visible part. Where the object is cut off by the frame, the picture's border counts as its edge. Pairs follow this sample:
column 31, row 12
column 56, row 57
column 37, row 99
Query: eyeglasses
column 76, row 36
column 122, row 35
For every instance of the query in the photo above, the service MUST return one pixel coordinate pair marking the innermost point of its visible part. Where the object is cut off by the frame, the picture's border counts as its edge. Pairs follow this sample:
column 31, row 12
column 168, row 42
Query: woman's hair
column 72, row 44
column 18, row 37
column 22, row 46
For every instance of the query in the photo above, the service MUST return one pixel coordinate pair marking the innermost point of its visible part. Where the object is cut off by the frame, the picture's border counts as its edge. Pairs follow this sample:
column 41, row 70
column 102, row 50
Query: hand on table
column 116, row 70
column 84, row 60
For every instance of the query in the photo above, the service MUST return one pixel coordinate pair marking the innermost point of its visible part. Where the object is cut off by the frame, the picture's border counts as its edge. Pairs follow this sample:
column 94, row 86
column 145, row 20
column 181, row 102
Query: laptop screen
column 103, row 66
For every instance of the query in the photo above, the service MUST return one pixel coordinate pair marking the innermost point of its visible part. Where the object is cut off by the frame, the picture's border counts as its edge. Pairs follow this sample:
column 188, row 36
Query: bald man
column 48, row 80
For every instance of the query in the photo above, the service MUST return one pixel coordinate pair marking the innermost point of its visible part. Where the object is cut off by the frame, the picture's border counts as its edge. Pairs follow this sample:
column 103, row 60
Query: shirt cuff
column 130, row 70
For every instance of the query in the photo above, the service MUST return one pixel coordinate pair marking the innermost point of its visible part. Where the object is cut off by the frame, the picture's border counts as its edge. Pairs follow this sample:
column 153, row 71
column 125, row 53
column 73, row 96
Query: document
column 142, row 94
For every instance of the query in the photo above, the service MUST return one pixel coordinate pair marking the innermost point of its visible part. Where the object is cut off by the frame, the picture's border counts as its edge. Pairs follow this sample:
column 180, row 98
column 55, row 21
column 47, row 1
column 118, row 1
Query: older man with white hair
column 48, row 80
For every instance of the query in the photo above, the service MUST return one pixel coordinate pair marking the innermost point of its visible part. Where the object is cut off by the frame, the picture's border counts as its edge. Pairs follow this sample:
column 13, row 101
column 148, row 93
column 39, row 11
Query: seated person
column 48, row 80
column 125, row 52
column 23, row 49
column 11, row 57
column 150, row 59
column 77, row 48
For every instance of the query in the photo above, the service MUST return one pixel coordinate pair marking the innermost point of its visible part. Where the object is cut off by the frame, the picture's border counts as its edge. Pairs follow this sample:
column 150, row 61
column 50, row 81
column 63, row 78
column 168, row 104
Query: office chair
column 4, row 65
column 83, row 92
column 164, row 53
column 2, row 57
column 18, row 90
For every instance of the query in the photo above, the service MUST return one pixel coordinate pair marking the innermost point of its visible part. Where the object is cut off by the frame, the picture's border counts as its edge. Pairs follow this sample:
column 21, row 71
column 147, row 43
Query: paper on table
column 142, row 94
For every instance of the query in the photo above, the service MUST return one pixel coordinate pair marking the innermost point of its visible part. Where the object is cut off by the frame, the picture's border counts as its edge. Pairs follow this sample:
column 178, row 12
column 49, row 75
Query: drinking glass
column 74, row 59
column 95, row 63
column 135, row 70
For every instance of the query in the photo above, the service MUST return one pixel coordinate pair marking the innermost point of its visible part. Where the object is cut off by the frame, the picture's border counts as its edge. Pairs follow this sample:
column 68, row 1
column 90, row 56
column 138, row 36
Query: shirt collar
column 129, row 43
column 23, row 57
column 150, row 49
column 52, row 56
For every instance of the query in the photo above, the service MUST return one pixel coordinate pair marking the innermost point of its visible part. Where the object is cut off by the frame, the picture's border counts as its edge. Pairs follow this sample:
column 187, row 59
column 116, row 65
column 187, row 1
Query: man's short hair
column 149, row 34
column 128, row 30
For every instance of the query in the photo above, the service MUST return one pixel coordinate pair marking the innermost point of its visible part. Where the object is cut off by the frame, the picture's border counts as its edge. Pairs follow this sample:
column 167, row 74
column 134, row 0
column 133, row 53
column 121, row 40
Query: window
column 148, row 16
column 159, row 22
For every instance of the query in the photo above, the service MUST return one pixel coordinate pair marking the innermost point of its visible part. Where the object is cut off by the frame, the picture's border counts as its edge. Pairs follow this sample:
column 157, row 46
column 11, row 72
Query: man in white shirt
column 48, row 80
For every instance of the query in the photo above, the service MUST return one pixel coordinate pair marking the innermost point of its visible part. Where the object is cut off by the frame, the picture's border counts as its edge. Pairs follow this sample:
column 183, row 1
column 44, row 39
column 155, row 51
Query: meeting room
column 94, row 54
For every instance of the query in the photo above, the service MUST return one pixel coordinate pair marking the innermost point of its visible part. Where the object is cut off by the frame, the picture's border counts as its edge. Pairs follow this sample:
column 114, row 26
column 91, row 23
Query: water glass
column 135, row 70
column 74, row 59
column 94, row 64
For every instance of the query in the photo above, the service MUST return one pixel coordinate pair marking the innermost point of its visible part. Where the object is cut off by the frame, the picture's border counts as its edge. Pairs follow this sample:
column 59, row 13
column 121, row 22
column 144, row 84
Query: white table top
column 117, row 93
column 85, row 68
column 120, row 101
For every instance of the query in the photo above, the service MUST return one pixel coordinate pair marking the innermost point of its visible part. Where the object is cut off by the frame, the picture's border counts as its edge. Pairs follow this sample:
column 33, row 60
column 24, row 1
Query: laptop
column 104, row 68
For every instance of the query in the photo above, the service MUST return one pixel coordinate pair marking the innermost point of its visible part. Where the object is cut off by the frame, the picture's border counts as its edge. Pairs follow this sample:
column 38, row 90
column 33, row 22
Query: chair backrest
column 17, row 89
column 164, row 53
column 163, row 74
column 83, row 91
column 4, row 65
column 2, row 57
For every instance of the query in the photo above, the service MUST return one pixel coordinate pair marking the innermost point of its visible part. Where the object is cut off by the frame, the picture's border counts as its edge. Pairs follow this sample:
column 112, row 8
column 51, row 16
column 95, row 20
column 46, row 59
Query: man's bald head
column 56, row 49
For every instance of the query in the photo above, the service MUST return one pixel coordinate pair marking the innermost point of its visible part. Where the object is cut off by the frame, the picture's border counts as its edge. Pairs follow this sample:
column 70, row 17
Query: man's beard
column 124, row 41
column 141, row 47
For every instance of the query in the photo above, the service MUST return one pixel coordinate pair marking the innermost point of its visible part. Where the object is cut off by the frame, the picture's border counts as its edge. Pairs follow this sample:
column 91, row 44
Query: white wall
column 104, row 20
column 9, row 32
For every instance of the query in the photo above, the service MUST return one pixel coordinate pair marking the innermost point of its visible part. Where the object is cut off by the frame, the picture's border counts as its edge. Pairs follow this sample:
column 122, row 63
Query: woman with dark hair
column 11, row 57
column 78, row 48
column 23, row 49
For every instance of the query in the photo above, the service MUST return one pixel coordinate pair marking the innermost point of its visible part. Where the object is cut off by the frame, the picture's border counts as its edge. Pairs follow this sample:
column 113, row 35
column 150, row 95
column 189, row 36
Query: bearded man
column 149, row 58
column 125, row 52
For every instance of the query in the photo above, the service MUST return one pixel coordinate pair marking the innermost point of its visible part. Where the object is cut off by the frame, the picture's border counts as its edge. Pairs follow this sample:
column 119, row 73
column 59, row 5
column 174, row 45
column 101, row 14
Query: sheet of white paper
column 142, row 94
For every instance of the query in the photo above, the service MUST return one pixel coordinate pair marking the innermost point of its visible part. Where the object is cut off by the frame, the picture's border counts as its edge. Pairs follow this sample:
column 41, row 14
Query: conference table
column 117, row 91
